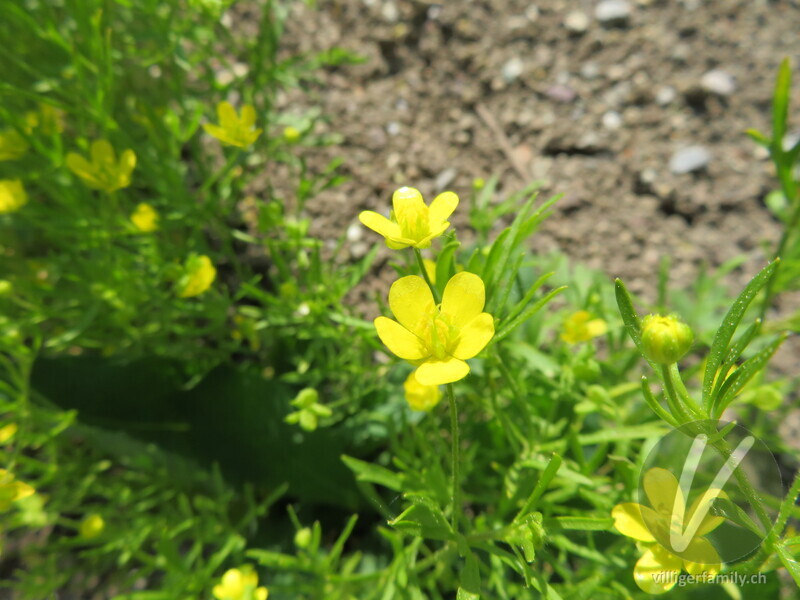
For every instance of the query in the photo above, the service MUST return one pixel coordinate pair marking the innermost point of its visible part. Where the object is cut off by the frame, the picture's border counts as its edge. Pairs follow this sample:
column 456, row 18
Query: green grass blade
column 780, row 103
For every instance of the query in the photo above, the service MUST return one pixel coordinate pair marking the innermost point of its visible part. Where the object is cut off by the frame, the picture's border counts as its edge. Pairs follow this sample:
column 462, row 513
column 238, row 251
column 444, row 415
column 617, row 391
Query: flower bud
column 92, row 526
column 302, row 539
column 665, row 339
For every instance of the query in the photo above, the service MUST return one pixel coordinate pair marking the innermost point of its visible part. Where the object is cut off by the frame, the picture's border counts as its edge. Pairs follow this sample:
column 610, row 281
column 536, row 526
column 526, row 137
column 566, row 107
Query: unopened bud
column 665, row 339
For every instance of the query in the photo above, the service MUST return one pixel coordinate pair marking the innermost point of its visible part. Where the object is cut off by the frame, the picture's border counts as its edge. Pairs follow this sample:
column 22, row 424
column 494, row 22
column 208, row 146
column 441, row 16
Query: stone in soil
column 613, row 12
column 689, row 159
column 718, row 82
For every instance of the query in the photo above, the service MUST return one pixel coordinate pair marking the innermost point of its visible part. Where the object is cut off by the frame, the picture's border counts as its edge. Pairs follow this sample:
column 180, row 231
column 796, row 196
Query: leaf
column 780, row 103
column 544, row 480
column 470, row 587
column 527, row 314
column 372, row 473
column 445, row 265
column 719, row 347
column 631, row 320
column 758, row 137
column 723, row 507
column 423, row 519
column 581, row 523
column 790, row 562
column 743, row 374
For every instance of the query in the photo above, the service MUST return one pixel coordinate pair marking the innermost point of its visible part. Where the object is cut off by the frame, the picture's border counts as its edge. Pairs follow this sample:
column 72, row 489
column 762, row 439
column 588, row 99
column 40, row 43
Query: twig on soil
column 502, row 140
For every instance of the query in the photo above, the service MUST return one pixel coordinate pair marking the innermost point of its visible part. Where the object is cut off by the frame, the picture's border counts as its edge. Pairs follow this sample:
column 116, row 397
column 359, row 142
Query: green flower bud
column 665, row 339
column 92, row 526
column 302, row 538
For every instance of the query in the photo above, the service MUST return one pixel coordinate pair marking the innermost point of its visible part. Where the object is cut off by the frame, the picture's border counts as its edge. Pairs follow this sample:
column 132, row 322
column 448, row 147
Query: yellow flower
column 673, row 537
column 104, row 172
column 240, row 584
column 199, row 274
column 92, row 526
column 413, row 223
column 48, row 119
column 421, row 397
column 291, row 134
column 232, row 129
column 7, row 432
column 11, row 491
column 12, row 145
column 12, row 195
column 580, row 327
column 145, row 218
column 437, row 338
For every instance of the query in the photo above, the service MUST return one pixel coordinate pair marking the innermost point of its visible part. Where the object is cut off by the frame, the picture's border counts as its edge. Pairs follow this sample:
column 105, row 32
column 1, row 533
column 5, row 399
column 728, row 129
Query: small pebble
column 718, row 82
column 613, row 12
column 354, row 232
column 590, row 70
column 666, row 94
column 560, row 93
column 512, row 69
column 393, row 128
column 689, row 159
column 612, row 120
column 576, row 21
column 445, row 178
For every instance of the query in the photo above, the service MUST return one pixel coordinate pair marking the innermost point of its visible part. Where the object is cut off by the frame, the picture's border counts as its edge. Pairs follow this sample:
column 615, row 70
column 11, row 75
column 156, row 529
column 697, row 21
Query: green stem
column 223, row 172
column 683, row 393
column 421, row 265
column 455, row 456
column 675, row 405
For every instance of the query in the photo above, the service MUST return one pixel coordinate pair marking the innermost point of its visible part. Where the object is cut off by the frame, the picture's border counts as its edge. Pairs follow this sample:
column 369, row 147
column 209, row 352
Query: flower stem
column 421, row 266
column 455, row 456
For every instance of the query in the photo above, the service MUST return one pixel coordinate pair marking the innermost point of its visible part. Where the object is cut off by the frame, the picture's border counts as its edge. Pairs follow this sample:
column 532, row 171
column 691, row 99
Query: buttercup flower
column 12, row 145
column 413, row 223
column 234, row 130
column 665, row 339
column 437, row 338
column 672, row 537
column 145, row 218
column 291, row 134
column 240, row 584
column 580, row 327
column 12, row 195
column 7, row 432
column 11, row 490
column 421, row 397
column 199, row 274
column 104, row 172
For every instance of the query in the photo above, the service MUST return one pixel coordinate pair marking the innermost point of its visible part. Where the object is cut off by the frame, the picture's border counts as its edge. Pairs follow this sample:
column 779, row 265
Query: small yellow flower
column 437, row 338
column 580, row 327
column 7, row 432
column 92, row 526
column 12, row 195
column 145, row 218
column 665, row 526
column 199, row 274
column 421, row 397
column 12, row 145
column 240, row 584
column 291, row 134
column 104, row 172
column 234, row 130
column 413, row 223
column 48, row 119
column 11, row 490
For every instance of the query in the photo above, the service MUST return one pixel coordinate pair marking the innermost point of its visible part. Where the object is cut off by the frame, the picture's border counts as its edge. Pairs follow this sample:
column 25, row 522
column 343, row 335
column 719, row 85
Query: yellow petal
column 248, row 118
column 596, row 327
column 442, row 207
column 79, row 165
column 474, row 336
column 629, row 521
column 657, row 571
column 379, row 224
column 400, row 340
column 412, row 304
column 421, row 397
column 127, row 163
column 262, row 593
column 662, row 490
column 103, row 153
column 701, row 558
column 406, row 199
column 220, row 133
column 398, row 243
column 710, row 522
column 463, row 299
column 227, row 115
column 439, row 372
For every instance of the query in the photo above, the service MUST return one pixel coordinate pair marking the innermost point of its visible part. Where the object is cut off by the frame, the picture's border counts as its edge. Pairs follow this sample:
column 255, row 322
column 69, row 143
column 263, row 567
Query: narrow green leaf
column 445, row 265
column 719, row 347
column 365, row 471
column 780, row 103
column 739, row 378
column 723, row 507
column 631, row 320
column 582, row 523
column 734, row 354
column 758, row 137
column 544, row 480
column 338, row 546
column 518, row 308
column 527, row 314
column 790, row 562
column 470, row 588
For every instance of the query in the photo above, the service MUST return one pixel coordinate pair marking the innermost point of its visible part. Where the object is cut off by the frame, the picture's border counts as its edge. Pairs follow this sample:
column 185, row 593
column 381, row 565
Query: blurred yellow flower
column 92, row 526
column 104, row 172
column 199, row 274
column 413, row 223
column 12, row 195
column 580, row 327
column 11, row 490
column 437, row 338
column 7, row 432
column 421, row 397
column 145, row 218
column 240, row 584
column 291, row 134
column 665, row 526
column 48, row 119
column 234, row 130
column 12, row 145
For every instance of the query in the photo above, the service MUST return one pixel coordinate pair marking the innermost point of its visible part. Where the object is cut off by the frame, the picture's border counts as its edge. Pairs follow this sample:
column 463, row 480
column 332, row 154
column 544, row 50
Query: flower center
column 414, row 221
column 441, row 336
